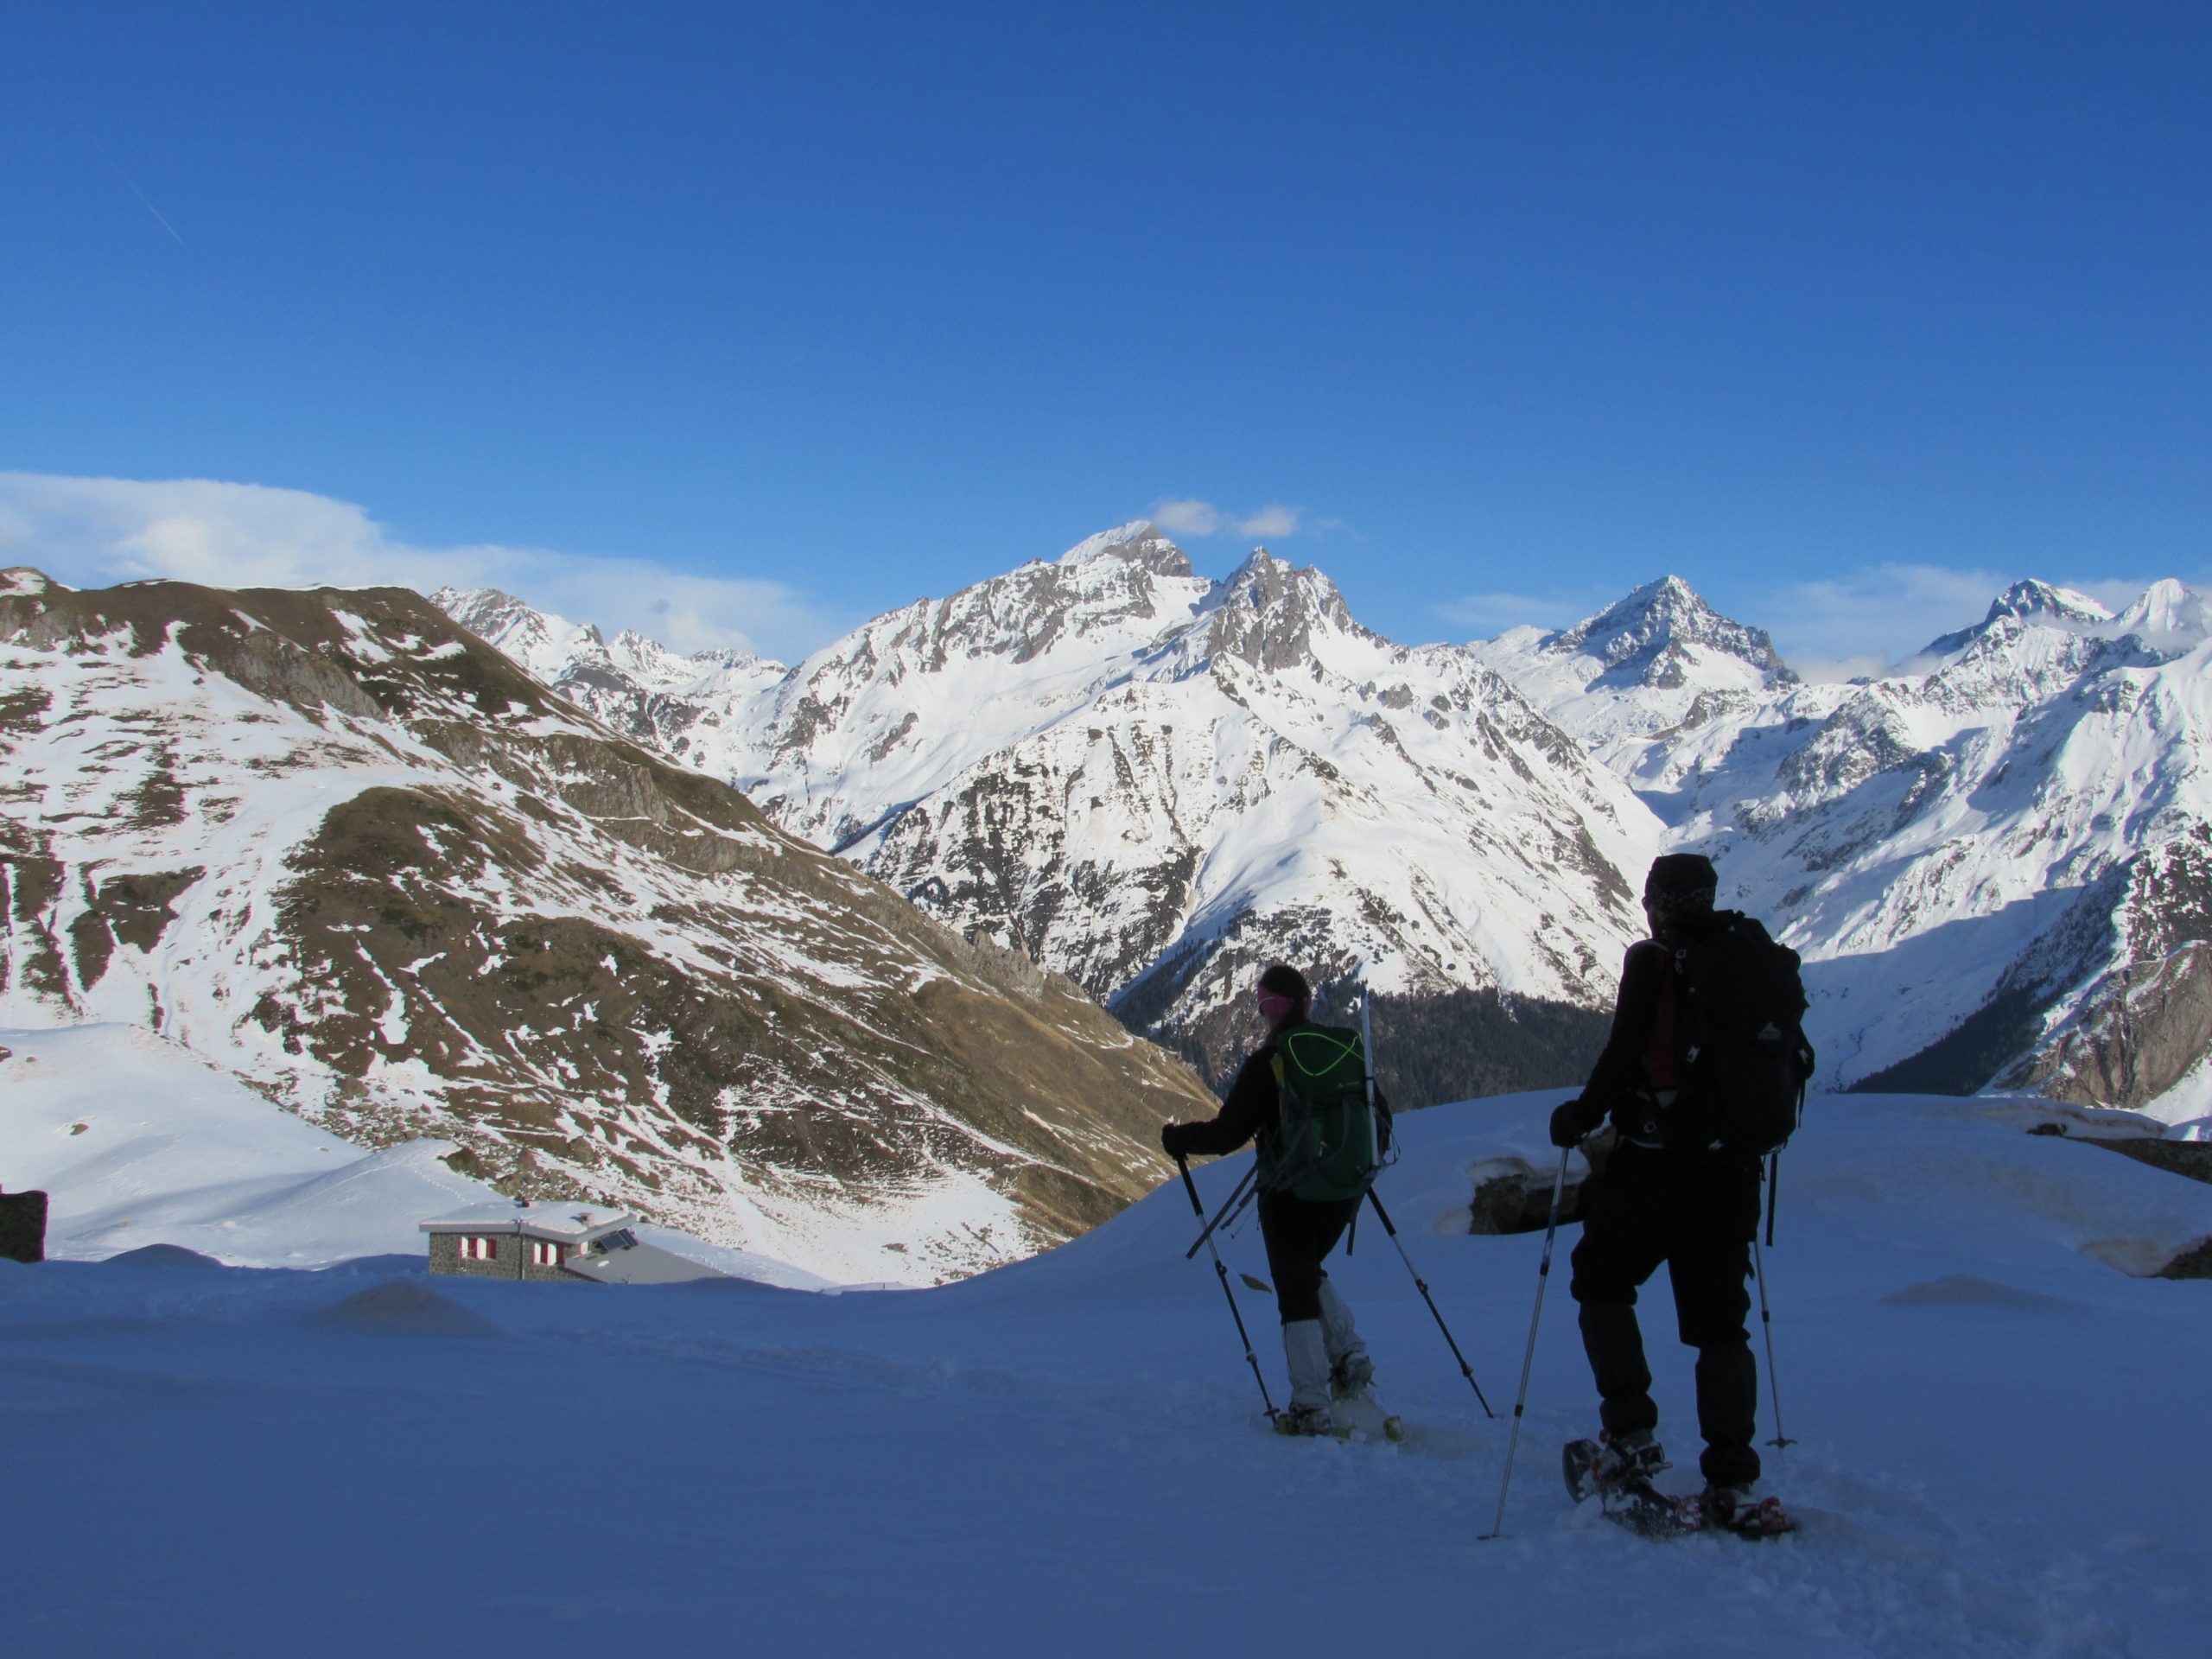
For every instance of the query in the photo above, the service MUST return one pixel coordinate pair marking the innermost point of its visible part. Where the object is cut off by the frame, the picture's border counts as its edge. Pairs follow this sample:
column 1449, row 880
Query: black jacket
column 1251, row 1107
column 1616, row 1082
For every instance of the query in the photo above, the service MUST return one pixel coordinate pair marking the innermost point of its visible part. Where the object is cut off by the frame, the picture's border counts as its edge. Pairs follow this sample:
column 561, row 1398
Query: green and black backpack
column 1332, row 1136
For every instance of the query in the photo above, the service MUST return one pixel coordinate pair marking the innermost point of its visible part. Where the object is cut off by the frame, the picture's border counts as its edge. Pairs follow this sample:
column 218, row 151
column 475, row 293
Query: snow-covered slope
column 633, row 684
column 338, row 846
column 1994, row 1454
column 138, row 1141
column 1659, row 661
column 1996, row 856
column 1153, row 782
column 1999, row 858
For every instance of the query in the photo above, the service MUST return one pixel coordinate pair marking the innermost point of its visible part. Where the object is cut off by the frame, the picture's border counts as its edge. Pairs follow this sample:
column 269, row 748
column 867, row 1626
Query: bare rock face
column 336, row 843
column 2137, row 1018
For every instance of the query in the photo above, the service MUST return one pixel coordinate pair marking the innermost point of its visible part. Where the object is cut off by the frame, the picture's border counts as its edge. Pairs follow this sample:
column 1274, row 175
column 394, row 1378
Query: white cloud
column 1187, row 517
column 1272, row 520
column 1191, row 517
column 2117, row 593
column 1877, row 614
column 1485, row 614
column 92, row 531
column 1824, row 670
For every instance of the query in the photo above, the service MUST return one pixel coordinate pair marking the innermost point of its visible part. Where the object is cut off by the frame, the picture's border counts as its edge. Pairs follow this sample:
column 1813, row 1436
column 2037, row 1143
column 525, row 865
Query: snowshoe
column 1732, row 1508
column 1593, row 1467
column 1304, row 1421
column 1351, row 1377
column 1618, row 1473
column 1358, row 1417
column 1644, row 1509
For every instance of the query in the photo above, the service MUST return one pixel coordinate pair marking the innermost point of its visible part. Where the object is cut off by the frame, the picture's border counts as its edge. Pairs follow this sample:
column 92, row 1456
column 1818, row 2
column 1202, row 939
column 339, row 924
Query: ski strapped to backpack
column 1739, row 1036
column 1333, row 1132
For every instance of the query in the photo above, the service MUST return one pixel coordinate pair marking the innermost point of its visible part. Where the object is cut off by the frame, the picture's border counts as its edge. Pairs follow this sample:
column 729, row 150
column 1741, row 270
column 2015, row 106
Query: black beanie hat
column 1285, row 981
column 1682, row 881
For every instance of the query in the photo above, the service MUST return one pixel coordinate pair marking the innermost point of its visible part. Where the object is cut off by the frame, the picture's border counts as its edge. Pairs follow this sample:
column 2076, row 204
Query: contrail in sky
column 98, row 149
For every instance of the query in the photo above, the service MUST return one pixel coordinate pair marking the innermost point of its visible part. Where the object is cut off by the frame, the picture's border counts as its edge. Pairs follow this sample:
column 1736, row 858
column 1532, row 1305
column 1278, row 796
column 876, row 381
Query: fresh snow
column 1998, row 1451
column 138, row 1141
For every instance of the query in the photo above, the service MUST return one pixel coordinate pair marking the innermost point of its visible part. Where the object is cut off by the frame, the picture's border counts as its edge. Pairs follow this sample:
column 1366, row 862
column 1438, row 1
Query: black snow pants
column 1699, row 1219
column 1299, row 1233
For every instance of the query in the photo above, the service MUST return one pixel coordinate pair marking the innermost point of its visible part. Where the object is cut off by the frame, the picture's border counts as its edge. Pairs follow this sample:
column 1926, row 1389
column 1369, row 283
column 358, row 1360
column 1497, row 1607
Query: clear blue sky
column 1531, row 303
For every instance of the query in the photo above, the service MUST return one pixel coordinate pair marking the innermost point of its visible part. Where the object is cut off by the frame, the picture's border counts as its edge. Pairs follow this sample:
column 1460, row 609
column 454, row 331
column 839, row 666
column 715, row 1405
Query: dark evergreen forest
column 1430, row 1049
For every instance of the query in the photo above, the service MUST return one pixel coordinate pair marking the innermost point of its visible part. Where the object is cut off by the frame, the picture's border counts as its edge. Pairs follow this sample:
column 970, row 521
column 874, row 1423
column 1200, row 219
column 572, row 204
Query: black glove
column 1173, row 1139
column 1567, row 1126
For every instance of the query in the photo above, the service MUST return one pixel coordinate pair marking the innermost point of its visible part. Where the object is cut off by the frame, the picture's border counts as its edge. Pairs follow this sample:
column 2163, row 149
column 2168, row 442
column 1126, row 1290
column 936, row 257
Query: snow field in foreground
column 2001, row 1451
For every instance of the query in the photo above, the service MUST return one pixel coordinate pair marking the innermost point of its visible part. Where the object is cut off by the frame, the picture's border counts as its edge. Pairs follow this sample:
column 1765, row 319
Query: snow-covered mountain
column 633, row 684
column 336, row 844
column 1153, row 782
column 1995, row 856
column 1659, row 661
column 1150, row 781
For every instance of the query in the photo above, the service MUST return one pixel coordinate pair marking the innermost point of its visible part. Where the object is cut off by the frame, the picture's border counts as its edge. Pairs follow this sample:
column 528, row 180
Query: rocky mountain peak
column 1266, row 612
column 1139, row 542
column 2042, row 599
column 2028, row 604
column 1646, row 637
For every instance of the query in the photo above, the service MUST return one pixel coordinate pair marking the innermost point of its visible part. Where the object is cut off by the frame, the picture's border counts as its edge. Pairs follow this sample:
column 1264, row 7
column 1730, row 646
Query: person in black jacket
column 1693, row 1210
column 1323, row 1346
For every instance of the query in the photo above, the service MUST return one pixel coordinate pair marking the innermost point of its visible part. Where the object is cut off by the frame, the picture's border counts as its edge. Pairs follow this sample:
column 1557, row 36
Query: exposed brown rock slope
column 335, row 842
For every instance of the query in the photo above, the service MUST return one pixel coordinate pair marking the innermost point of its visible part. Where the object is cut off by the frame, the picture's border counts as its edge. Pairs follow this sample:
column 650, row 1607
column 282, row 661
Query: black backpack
column 1739, row 1039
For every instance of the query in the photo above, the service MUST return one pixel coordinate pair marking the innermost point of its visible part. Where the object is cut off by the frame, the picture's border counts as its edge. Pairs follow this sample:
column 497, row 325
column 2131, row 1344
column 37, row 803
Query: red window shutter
column 490, row 1249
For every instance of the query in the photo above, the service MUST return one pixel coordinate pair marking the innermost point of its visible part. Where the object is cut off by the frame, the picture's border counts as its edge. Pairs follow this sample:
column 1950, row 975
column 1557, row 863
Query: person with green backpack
column 1303, row 1095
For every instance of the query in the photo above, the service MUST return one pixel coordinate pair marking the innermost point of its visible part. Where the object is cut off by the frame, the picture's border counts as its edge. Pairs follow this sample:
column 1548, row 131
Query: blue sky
column 1844, row 314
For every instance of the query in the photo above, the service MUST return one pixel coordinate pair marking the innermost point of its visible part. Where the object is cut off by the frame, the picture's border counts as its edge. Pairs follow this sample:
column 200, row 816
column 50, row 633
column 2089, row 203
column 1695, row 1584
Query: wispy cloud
column 2118, row 594
column 92, row 531
column 1483, row 614
column 1273, row 520
column 1193, row 517
column 1188, row 517
column 1867, row 618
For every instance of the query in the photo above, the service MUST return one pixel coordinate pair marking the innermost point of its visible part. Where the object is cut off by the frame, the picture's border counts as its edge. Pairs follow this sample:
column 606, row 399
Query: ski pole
column 1521, row 1400
column 1232, row 1207
column 1421, row 1285
column 1766, row 1325
column 1773, row 1192
column 1221, row 1270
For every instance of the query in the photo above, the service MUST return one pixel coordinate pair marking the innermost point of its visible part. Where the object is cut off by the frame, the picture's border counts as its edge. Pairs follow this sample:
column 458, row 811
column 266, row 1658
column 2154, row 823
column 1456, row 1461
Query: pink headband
column 1274, row 1004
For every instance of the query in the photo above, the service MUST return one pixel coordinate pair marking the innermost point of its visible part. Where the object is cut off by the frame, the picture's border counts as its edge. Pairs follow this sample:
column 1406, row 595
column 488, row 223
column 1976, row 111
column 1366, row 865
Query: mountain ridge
column 1806, row 793
column 338, row 845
